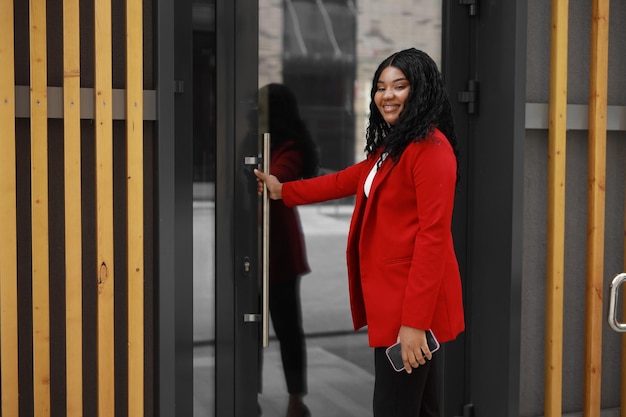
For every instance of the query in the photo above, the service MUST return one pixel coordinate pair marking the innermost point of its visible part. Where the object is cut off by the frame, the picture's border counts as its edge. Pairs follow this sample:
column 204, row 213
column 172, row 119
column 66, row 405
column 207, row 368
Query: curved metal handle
column 613, row 298
column 266, row 244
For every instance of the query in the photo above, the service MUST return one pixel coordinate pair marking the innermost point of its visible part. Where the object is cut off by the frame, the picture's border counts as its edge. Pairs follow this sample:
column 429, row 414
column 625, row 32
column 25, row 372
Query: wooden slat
column 556, row 210
column 134, row 138
column 104, row 207
column 73, row 214
column 8, row 215
column 39, row 208
column 595, row 207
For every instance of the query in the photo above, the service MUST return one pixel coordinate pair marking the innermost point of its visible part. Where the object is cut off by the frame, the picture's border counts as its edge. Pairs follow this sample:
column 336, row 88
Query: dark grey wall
column 535, row 210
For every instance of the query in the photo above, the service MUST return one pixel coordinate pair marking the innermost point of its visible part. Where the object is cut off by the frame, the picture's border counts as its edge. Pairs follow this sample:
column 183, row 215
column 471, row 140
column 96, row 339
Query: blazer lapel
column 379, row 178
column 383, row 171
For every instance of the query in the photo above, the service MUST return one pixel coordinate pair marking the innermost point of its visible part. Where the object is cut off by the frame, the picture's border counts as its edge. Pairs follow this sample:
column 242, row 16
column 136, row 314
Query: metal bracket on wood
column 470, row 96
column 473, row 5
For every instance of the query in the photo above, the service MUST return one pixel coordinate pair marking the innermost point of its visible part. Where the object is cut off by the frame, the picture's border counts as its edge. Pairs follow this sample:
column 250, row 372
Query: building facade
column 130, row 246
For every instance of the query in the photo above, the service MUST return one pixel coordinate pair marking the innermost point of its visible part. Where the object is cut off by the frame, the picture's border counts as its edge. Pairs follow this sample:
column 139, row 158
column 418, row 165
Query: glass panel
column 326, row 52
column 204, row 129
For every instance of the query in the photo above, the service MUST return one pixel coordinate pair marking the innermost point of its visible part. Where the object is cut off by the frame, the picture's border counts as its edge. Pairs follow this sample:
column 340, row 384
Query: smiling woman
column 392, row 91
column 402, row 268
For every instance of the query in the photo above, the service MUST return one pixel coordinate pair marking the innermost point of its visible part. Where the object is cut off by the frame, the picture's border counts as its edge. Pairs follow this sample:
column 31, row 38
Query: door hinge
column 468, row 410
column 473, row 5
column 470, row 96
column 179, row 87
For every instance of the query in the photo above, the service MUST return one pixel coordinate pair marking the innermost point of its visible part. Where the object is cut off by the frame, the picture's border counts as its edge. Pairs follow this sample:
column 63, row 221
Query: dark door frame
column 456, row 63
column 488, row 215
column 174, row 218
column 237, row 222
column 481, row 369
column 236, row 362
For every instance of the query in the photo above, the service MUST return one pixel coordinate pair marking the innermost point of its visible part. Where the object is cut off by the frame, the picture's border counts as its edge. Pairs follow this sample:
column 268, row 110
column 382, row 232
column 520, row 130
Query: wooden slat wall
column 135, row 217
column 104, row 202
column 556, row 209
column 595, row 207
column 74, row 191
column 73, row 212
column 39, row 208
column 8, row 218
column 595, row 212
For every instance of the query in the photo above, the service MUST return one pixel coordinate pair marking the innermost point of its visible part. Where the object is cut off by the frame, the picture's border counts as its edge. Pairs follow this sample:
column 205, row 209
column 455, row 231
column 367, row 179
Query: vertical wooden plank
column 73, row 214
column 8, row 231
column 134, row 138
column 39, row 207
column 553, row 373
column 595, row 207
column 104, row 207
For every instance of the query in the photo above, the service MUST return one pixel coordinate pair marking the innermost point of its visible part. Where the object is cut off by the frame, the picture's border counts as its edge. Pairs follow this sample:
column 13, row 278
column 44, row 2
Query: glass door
column 204, row 206
column 325, row 52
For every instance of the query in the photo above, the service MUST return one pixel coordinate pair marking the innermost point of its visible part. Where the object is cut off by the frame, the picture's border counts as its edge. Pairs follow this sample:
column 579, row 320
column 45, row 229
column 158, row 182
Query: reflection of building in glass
column 311, row 47
column 327, row 51
column 204, row 122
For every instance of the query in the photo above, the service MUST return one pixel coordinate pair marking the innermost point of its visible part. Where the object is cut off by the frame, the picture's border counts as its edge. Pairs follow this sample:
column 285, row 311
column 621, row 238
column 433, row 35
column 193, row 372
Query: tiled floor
column 340, row 378
column 339, row 384
column 340, row 363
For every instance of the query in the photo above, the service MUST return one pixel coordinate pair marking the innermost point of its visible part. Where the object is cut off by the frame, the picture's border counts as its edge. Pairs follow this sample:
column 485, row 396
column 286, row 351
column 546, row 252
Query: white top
column 370, row 177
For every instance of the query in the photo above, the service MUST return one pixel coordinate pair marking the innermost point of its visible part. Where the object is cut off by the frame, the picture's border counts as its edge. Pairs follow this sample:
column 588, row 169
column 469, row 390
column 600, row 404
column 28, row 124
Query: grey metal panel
column 537, row 117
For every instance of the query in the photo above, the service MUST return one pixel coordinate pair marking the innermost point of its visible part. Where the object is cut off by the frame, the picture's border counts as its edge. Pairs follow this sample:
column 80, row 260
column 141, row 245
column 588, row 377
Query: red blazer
column 402, row 269
column 287, row 245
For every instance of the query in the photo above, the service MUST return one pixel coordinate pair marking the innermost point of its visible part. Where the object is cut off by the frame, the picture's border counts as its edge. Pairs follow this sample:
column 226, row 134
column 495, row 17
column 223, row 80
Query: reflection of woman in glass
column 293, row 156
column 403, row 273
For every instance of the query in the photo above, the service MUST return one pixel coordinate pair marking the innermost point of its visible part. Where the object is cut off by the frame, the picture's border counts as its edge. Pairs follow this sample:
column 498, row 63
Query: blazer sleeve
column 434, row 177
column 332, row 186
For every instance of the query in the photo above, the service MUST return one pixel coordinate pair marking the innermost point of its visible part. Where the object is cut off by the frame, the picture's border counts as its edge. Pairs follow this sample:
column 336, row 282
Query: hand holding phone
column 394, row 352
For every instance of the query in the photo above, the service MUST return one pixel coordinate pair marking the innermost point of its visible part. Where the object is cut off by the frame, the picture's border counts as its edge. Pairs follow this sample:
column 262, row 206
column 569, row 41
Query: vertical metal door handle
column 266, row 243
column 613, row 297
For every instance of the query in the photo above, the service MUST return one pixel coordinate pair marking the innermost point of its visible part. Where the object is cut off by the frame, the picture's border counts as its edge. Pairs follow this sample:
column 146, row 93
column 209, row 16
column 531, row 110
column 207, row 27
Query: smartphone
column 394, row 352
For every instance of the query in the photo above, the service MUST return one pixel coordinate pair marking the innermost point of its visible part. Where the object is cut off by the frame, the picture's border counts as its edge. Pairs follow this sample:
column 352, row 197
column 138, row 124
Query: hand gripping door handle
column 266, row 245
column 613, row 298
column 262, row 161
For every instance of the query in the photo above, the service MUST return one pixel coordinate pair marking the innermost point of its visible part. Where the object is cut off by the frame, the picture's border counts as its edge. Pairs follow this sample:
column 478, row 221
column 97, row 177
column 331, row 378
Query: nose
column 389, row 93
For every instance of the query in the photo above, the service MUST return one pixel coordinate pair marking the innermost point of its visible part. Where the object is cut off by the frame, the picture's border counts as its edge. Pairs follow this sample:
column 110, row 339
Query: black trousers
column 286, row 313
column 399, row 394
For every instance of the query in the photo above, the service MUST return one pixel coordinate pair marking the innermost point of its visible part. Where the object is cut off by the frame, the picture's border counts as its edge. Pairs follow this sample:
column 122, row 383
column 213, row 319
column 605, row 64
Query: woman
column 402, row 269
column 294, row 155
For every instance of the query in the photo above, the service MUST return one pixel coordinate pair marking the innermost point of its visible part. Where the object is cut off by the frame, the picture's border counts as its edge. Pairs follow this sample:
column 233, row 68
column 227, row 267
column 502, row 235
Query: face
column 392, row 92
